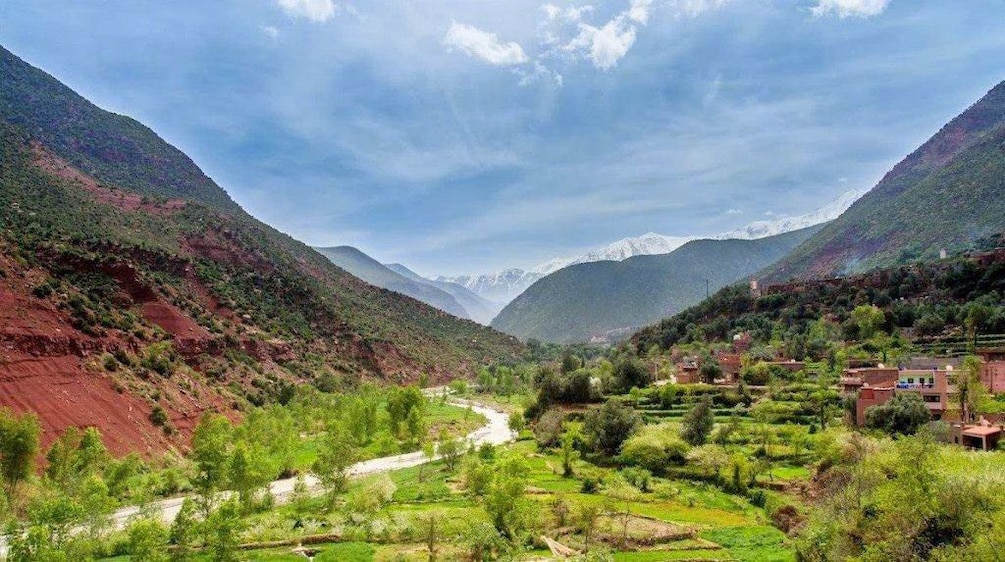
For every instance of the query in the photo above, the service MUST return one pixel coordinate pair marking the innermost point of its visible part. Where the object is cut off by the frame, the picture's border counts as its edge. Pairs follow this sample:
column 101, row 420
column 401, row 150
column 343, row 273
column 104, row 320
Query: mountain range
column 449, row 297
column 502, row 287
column 131, row 283
column 605, row 300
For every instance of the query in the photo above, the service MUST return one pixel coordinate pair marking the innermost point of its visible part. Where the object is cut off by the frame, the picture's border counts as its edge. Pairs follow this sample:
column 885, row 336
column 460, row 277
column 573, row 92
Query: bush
column 903, row 414
column 610, row 425
column 158, row 416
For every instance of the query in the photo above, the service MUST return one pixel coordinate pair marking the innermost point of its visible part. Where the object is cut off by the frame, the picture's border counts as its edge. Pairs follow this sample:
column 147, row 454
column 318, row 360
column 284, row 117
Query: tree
column 869, row 319
column 223, row 529
column 18, row 448
column 210, row 450
column 503, row 501
column 248, row 473
column 148, row 540
column 710, row 370
column 572, row 435
column 450, row 450
column 904, row 414
column 416, row 426
column 586, row 518
column 365, row 501
column 431, row 531
column 428, row 456
column 630, row 373
column 977, row 316
column 184, row 530
column 709, row 459
column 516, row 422
column 335, row 457
column 697, row 424
column 970, row 391
column 621, row 491
column 610, row 425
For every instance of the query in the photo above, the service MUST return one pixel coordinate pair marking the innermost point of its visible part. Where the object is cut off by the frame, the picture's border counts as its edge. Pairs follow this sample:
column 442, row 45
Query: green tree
column 148, row 540
column 970, row 391
column 586, row 518
column 185, row 530
column 416, row 426
column 335, row 457
column 450, row 450
column 504, row 501
column 903, row 414
column 630, row 373
column 610, row 425
column 697, row 424
column 571, row 437
column 248, row 473
column 869, row 319
column 709, row 371
column 211, row 443
column 223, row 531
column 19, row 438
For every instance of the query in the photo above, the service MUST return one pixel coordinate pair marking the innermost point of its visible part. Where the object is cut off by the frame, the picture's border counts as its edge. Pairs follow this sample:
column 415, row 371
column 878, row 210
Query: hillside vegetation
column 605, row 298
column 949, row 301
column 946, row 194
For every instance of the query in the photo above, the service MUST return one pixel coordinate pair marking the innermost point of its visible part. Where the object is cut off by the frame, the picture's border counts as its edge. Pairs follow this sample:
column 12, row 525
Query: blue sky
column 471, row 135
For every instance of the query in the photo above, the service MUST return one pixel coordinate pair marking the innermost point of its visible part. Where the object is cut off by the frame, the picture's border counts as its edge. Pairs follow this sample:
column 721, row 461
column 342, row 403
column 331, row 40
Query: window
column 932, row 398
column 910, row 380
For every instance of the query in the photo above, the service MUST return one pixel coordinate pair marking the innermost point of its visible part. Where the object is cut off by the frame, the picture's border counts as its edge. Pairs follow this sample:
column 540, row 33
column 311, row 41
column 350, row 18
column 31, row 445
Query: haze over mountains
column 604, row 300
column 504, row 286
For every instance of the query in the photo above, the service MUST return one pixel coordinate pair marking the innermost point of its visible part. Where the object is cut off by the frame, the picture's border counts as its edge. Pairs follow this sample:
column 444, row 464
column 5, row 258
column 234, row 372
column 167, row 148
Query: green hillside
column 112, row 148
column 946, row 194
column 375, row 273
column 603, row 298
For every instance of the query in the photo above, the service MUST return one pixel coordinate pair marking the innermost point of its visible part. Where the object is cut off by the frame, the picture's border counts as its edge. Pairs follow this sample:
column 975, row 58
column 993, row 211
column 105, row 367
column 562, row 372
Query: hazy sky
column 470, row 135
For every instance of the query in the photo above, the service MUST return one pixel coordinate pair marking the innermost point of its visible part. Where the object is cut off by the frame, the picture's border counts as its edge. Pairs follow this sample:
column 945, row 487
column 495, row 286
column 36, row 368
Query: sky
column 466, row 136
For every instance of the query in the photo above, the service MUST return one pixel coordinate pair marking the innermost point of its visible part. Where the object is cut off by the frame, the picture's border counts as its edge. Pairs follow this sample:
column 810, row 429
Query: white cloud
column 270, row 31
column 484, row 45
column 849, row 8
column 318, row 11
column 734, row 212
column 639, row 11
column 572, row 13
column 606, row 45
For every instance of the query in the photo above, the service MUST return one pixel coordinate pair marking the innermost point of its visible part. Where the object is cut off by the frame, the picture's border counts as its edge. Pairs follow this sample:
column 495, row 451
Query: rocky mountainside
column 135, row 295
column 945, row 195
column 609, row 299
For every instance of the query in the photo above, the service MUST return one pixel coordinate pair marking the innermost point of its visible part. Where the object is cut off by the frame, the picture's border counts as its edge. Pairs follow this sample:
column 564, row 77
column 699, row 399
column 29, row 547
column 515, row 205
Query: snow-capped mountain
column 829, row 212
column 647, row 244
column 500, row 287
column 504, row 286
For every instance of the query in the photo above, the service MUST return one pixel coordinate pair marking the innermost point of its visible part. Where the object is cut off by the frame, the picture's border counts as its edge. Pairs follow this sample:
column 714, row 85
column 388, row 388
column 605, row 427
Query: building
column 873, row 386
column 993, row 369
column 688, row 372
column 983, row 435
column 854, row 379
